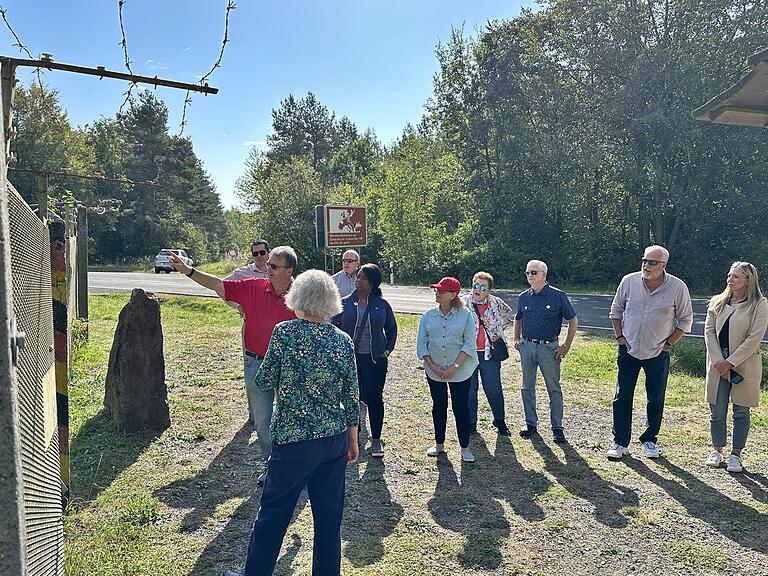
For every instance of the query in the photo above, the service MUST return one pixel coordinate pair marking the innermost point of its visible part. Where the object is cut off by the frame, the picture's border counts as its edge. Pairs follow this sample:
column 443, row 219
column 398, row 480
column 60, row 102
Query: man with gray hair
column 539, row 320
column 262, row 301
column 651, row 311
column 345, row 278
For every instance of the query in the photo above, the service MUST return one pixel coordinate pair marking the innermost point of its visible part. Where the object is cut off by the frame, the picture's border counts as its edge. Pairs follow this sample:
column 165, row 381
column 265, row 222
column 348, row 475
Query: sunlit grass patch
column 695, row 554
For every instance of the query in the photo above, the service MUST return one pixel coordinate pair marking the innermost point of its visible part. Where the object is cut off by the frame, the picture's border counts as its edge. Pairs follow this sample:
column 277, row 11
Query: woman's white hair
column 315, row 294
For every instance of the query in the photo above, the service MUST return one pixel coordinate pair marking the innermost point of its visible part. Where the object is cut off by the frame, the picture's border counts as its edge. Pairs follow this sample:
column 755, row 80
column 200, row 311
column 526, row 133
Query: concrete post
column 82, row 263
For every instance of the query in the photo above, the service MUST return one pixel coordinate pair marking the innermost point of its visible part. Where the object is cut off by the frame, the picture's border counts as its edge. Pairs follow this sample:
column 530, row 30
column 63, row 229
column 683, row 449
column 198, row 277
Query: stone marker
column 135, row 394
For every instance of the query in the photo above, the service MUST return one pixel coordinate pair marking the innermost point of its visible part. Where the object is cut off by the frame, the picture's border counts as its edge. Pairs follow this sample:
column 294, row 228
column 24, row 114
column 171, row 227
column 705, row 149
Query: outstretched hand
column 178, row 265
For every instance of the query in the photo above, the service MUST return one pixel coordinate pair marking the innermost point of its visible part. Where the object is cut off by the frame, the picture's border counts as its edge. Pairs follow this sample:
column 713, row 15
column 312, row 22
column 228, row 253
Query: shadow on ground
column 99, row 453
column 731, row 518
column 576, row 476
column 370, row 515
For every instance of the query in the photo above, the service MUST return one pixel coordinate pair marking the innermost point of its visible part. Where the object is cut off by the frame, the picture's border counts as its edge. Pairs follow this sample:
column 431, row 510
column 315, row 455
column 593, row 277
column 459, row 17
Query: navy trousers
column 320, row 465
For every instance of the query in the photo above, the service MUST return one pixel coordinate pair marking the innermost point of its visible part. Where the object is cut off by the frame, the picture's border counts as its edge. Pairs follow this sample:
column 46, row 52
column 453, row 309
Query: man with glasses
column 258, row 266
column 345, row 278
column 539, row 320
column 262, row 301
column 651, row 311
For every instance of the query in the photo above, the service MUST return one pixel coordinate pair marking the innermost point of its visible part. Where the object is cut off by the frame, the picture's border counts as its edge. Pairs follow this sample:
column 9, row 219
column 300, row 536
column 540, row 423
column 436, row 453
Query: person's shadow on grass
column 756, row 483
column 579, row 479
column 731, row 518
column 370, row 514
column 472, row 511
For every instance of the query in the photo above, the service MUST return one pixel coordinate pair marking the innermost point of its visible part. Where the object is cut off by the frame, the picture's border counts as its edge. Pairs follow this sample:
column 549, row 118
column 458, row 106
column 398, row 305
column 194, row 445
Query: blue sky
column 371, row 61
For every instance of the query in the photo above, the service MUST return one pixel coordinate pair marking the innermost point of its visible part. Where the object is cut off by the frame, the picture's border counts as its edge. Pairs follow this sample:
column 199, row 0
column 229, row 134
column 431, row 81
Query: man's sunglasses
column 480, row 287
column 531, row 272
column 350, row 260
column 259, row 252
column 651, row 262
column 276, row 266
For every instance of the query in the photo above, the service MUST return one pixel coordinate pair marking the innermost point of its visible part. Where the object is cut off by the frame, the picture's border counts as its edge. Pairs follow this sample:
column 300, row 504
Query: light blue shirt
column 443, row 336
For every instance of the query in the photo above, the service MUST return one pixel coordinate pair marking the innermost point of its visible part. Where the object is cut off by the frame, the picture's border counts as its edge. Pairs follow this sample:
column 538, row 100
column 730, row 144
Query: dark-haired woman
column 369, row 320
column 736, row 322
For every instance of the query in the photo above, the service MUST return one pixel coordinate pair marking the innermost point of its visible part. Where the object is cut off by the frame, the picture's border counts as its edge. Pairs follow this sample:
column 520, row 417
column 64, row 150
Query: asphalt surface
column 592, row 310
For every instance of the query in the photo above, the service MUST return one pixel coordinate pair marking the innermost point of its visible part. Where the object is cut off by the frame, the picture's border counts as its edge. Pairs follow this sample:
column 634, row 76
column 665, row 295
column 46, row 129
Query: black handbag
column 499, row 350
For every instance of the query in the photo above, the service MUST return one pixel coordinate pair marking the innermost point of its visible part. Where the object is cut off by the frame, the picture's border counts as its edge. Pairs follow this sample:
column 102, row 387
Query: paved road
column 591, row 309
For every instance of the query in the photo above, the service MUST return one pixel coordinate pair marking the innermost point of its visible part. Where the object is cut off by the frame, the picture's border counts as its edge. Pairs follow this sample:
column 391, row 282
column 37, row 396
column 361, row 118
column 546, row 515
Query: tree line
column 564, row 134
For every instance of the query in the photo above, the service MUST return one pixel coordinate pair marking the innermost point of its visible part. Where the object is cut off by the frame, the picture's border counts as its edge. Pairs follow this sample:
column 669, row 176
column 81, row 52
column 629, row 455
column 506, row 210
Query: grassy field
column 183, row 502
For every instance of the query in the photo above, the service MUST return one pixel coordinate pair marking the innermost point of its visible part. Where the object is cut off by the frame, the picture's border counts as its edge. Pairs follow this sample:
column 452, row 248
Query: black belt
column 253, row 355
column 537, row 341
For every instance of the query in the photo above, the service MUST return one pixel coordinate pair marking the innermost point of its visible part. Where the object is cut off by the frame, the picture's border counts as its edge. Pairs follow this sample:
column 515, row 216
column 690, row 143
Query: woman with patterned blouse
column 446, row 344
column 491, row 316
column 310, row 365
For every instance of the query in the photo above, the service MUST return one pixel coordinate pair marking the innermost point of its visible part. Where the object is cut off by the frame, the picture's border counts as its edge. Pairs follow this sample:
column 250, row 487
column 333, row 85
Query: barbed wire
column 124, row 43
column 187, row 100
column 22, row 48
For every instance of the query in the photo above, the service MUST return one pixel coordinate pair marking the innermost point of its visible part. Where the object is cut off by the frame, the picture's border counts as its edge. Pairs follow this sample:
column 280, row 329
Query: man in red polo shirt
column 262, row 301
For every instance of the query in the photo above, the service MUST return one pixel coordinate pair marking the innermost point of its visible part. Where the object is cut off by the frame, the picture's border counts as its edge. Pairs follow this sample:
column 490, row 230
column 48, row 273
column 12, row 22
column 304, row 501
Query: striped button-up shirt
column 344, row 282
column 649, row 318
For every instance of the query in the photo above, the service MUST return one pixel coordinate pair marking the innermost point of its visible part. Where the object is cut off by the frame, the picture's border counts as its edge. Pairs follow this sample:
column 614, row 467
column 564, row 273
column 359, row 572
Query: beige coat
column 745, row 332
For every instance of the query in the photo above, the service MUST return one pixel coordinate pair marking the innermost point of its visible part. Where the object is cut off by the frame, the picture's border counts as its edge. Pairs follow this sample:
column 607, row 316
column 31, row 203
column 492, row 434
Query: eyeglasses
column 276, row 266
column 259, row 252
column 481, row 287
column 349, row 260
column 651, row 262
column 531, row 272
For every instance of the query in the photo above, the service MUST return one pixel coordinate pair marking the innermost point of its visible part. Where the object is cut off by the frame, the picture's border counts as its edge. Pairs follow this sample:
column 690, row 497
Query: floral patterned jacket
column 496, row 318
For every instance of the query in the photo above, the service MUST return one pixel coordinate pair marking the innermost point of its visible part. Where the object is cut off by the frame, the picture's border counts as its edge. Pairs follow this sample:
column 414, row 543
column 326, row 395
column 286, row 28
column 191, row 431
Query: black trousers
column 459, row 405
column 370, row 381
column 320, row 465
column 656, row 374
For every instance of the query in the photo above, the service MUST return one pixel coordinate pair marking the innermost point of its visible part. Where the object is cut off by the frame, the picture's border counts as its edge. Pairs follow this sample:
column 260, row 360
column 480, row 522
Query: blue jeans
column 541, row 356
column 489, row 371
column 656, row 374
column 717, row 419
column 319, row 464
column 259, row 404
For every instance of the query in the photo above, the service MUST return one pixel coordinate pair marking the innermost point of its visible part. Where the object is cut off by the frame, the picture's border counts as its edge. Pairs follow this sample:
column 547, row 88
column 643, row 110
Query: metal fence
column 36, row 389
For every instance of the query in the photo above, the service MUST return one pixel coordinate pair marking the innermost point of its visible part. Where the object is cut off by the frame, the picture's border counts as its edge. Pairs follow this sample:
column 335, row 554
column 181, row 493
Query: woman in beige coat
column 736, row 322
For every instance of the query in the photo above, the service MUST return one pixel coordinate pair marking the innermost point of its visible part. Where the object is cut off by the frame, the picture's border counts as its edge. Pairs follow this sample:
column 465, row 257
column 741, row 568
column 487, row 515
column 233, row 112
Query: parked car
column 163, row 260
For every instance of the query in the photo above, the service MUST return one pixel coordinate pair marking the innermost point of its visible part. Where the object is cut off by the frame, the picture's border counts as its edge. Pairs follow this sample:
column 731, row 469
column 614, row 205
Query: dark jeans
column 656, row 373
column 459, row 405
column 320, row 465
column 489, row 371
column 370, row 381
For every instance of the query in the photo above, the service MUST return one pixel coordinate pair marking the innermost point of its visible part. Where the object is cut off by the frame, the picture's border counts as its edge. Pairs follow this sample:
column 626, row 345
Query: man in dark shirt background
column 539, row 320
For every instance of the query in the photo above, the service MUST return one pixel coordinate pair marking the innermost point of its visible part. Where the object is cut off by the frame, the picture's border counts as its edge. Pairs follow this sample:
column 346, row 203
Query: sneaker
column 435, row 450
column 617, row 451
column 527, row 431
column 715, row 459
column 559, row 436
column 229, row 572
column 377, row 449
column 501, row 426
column 651, row 450
column 733, row 464
column 261, row 478
column 466, row 455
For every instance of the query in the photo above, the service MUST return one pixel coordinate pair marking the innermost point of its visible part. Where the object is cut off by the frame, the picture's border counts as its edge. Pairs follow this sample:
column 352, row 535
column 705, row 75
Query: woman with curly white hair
column 310, row 365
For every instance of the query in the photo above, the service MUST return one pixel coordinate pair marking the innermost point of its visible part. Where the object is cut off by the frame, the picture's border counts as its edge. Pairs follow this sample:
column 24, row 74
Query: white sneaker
column 715, row 459
column 733, row 464
column 435, row 450
column 651, row 450
column 617, row 451
column 466, row 455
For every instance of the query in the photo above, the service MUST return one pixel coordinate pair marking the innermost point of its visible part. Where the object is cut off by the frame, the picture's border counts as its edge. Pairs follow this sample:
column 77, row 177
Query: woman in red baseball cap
column 446, row 344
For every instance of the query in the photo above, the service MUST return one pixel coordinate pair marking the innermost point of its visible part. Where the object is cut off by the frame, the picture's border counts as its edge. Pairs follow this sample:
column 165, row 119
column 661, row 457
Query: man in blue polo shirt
column 539, row 319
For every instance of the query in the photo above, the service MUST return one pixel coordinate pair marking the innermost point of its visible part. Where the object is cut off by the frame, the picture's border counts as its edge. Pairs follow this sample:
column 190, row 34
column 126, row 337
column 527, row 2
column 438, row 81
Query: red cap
column 448, row 284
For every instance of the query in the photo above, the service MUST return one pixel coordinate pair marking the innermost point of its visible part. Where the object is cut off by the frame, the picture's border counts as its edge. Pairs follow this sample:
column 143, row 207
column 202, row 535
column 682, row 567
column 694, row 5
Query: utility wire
column 124, row 43
column 203, row 80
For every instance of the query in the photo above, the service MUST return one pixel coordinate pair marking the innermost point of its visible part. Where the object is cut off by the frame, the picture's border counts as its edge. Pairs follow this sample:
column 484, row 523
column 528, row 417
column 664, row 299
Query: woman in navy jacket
column 369, row 320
